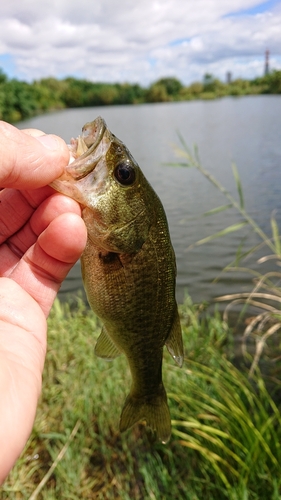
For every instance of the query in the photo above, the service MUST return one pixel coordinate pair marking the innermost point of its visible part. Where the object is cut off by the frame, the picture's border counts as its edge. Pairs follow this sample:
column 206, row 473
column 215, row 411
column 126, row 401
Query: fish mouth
column 85, row 148
column 86, row 151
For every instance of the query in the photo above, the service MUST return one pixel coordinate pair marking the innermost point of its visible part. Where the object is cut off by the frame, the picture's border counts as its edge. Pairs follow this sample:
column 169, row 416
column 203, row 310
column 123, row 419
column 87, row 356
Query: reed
column 265, row 297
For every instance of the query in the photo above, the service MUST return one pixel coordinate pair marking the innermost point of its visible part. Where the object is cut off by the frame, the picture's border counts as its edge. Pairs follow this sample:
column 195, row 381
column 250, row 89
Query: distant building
column 266, row 63
column 228, row 77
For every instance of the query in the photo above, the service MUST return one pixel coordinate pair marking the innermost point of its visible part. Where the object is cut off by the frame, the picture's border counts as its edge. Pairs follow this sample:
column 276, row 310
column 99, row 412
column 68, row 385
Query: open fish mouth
column 86, row 152
column 92, row 134
column 85, row 149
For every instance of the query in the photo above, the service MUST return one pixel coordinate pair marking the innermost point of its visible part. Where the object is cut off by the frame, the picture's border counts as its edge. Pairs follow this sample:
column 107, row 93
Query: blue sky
column 259, row 8
column 138, row 41
column 8, row 65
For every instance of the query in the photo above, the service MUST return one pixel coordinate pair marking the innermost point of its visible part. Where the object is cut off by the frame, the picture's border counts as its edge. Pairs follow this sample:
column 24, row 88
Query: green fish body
column 128, row 269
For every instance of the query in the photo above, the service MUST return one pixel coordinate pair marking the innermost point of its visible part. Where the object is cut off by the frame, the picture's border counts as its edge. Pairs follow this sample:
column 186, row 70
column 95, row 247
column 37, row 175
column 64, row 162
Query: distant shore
column 20, row 100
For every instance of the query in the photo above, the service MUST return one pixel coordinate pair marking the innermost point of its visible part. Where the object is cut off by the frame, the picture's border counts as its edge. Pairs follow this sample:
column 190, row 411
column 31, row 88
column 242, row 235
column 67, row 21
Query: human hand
column 41, row 236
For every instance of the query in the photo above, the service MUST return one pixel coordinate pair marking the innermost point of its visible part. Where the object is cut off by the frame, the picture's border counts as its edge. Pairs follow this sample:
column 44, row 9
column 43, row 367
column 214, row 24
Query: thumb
column 30, row 161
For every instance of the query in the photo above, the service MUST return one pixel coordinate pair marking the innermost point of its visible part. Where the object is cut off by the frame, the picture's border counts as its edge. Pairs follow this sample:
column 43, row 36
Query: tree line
column 20, row 100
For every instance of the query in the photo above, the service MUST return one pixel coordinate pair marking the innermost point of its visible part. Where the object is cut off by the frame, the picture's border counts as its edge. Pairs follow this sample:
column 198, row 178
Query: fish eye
column 125, row 174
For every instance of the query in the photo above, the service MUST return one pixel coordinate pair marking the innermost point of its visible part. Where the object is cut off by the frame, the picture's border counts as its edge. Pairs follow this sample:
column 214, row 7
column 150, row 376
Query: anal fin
column 105, row 347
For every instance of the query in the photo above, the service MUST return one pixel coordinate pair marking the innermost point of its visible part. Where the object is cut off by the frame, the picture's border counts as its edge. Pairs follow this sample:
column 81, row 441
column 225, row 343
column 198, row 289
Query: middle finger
column 16, row 208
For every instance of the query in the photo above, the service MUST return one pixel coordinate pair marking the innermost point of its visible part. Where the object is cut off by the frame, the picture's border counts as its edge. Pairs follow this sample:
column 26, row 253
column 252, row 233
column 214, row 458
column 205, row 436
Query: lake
column 244, row 130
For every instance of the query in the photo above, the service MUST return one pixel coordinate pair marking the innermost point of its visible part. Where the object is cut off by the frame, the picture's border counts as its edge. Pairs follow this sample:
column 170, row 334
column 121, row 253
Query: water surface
column 244, row 130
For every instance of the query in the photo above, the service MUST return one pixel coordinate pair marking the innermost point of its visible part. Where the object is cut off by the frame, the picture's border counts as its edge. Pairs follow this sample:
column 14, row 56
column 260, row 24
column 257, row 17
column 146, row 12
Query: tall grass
column 226, row 430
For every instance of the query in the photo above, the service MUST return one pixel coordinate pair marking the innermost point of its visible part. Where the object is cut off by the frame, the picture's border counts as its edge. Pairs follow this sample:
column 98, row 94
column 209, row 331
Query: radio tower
column 266, row 63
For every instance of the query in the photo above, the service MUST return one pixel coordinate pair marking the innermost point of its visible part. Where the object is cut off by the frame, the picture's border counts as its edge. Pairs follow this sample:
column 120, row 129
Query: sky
column 138, row 41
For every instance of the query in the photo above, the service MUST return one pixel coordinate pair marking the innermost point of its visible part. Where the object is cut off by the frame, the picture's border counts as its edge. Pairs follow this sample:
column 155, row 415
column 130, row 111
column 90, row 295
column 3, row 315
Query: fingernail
column 49, row 141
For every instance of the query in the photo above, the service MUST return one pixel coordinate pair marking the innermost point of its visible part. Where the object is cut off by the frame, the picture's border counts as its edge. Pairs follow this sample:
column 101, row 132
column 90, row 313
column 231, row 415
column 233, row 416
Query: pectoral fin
column 174, row 341
column 105, row 347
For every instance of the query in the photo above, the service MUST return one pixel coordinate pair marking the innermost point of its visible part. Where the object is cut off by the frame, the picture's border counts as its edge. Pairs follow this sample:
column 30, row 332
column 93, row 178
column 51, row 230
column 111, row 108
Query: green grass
column 226, row 428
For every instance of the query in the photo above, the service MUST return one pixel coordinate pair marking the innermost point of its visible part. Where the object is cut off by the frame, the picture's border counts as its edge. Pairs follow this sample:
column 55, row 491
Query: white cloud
column 137, row 41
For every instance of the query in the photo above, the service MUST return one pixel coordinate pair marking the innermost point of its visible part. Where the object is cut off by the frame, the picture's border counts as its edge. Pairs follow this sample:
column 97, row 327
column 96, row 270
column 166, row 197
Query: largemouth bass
column 128, row 268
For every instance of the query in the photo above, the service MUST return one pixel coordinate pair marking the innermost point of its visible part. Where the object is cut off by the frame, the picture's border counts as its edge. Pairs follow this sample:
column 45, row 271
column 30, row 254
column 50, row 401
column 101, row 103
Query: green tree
column 171, row 85
column 108, row 94
column 3, row 77
column 157, row 93
column 129, row 94
column 208, row 82
column 76, row 92
column 18, row 100
column 3, row 80
column 196, row 88
column 50, row 93
column 274, row 82
column 213, row 86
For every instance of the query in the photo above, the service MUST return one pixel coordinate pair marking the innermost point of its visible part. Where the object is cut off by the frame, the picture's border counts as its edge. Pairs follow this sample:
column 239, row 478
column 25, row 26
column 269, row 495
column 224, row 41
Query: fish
column 128, row 269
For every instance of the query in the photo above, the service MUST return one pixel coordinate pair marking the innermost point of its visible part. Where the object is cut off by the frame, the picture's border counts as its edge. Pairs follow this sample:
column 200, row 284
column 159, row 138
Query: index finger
column 35, row 132
column 28, row 160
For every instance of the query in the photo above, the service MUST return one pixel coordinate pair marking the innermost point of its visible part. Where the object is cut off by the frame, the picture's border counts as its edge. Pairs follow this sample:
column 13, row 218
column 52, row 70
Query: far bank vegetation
column 20, row 100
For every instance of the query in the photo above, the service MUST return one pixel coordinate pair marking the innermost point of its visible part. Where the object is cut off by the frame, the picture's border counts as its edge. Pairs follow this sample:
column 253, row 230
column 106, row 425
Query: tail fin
column 154, row 410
